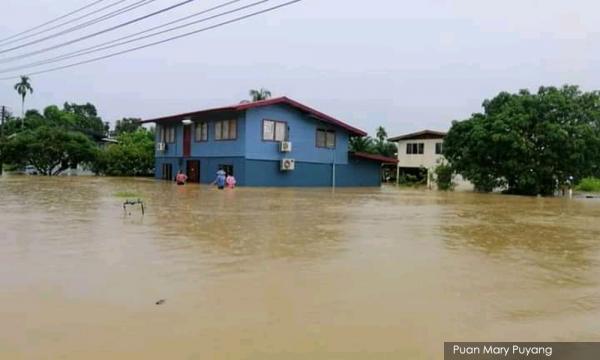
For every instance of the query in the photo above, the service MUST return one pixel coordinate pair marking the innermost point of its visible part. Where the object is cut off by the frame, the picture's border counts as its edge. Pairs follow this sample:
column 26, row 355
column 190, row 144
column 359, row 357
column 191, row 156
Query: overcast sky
column 404, row 65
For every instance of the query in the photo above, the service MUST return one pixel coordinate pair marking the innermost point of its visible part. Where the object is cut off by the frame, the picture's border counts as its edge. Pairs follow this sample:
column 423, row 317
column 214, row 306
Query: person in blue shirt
column 220, row 180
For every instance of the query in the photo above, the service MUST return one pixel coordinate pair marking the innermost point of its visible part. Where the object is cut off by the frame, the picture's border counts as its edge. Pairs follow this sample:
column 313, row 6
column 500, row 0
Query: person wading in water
column 220, row 180
column 181, row 178
column 230, row 181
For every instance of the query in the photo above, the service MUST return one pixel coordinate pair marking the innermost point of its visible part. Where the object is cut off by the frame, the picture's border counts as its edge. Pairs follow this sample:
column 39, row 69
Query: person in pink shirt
column 230, row 181
column 181, row 178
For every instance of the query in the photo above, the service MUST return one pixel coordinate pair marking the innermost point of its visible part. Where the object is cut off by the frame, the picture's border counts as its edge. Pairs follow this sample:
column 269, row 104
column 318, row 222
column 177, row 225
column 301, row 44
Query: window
column 160, row 131
column 415, row 148
column 325, row 138
column 201, row 131
column 227, row 168
column 171, row 134
column 274, row 130
column 439, row 148
column 226, row 130
column 166, row 134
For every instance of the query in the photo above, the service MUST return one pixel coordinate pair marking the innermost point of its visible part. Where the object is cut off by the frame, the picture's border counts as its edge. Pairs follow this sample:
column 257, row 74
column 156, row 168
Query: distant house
column 420, row 152
column 275, row 142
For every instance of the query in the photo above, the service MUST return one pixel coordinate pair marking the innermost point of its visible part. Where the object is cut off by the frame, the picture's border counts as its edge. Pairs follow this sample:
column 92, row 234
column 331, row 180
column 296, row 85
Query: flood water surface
column 286, row 273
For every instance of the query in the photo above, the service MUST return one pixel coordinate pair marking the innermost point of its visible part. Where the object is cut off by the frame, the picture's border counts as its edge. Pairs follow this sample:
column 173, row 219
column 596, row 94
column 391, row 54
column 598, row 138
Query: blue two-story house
column 275, row 142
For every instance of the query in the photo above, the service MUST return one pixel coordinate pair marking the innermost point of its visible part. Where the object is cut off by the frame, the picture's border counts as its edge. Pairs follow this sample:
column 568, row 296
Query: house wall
column 210, row 165
column 219, row 148
column 211, row 147
column 174, row 161
column 173, row 149
column 354, row 173
column 302, row 134
column 359, row 172
column 428, row 159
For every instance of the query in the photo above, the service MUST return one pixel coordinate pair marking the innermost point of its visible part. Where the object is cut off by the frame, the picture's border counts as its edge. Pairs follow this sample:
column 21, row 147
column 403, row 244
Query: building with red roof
column 274, row 142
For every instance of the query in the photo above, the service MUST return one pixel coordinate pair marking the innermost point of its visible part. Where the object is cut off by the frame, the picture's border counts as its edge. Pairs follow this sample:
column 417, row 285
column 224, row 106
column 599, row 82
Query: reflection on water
column 286, row 273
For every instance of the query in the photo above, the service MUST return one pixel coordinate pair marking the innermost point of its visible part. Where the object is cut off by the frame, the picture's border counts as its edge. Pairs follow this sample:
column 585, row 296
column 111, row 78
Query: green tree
column 52, row 116
column 258, row 95
column 362, row 144
column 385, row 148
column 23, row 87
column 528, row 143
column 86, row 120
column 133, row 155
column 127, row 125
column 381, row 134
column 51, row 150
column 381, row 146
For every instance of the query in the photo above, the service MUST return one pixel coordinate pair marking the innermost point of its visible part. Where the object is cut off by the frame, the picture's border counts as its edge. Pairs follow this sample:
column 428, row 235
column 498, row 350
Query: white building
column 419, row 152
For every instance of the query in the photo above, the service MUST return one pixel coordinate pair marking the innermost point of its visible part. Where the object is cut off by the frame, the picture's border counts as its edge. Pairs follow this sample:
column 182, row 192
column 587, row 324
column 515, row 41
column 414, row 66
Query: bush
column 133, row 155
column 590, row 184
column 443, row 177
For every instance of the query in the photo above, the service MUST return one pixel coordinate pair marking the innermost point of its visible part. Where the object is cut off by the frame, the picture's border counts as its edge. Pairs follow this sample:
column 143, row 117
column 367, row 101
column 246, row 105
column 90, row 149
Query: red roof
column 374, row 157
column 276, row 101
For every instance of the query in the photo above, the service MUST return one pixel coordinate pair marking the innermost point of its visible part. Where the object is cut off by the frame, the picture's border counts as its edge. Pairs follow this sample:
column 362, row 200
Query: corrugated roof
column 375, row 157
column 276, row 101
column 420, row 135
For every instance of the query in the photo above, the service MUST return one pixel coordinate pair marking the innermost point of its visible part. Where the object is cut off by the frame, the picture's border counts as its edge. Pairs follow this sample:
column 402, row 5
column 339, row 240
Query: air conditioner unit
column 288, row 164
column 161, row 146
column 285, row 146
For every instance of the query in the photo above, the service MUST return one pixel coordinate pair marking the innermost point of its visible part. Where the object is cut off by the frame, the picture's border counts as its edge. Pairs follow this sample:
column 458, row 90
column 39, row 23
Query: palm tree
column 23, row 87
column 381, row 145
column 381, row 134
column 361, row 144
column 258, row 95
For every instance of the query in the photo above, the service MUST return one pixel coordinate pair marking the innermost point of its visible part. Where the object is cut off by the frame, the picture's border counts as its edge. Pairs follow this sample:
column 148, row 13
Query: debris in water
column 133, row 202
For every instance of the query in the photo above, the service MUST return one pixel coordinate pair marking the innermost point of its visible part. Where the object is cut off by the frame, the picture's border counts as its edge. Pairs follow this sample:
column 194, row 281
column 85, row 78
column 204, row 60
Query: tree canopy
column 258, row 95
column 127, row 125
column 528, row 143
column 50, row 149
column 132, row 155
column 23, row 87
column 363, row 144
column 86, row 120
column 380, row 145
column 57, row 139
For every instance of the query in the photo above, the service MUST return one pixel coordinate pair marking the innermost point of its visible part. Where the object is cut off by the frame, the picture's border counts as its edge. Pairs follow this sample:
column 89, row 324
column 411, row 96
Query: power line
column 52, row 21
column 103, row 31
column 111, row 15
column 101, row 46
column 91, row 22
column 161, row 41
column 4, row 43
column 114, row 43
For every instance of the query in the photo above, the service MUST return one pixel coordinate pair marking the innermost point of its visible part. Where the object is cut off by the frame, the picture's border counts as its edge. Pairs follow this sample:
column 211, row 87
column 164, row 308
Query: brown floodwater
column 287, row 273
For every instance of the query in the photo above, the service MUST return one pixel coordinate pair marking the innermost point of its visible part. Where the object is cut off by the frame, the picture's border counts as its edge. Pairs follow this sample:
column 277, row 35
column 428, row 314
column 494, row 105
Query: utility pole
column 3, row 114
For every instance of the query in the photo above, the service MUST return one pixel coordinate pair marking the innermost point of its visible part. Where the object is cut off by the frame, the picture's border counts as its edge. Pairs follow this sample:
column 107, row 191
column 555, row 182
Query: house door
column 187, row 140
column 193, row 171
column 167, row 171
